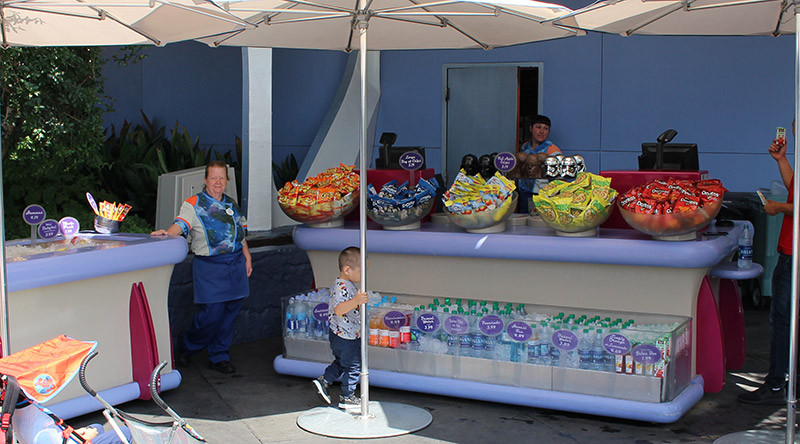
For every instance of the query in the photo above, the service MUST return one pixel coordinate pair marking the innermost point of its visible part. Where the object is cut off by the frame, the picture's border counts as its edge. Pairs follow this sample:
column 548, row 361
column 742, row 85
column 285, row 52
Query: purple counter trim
column 730, row 270
column 115, row 395
column 664, row 412
column 140, row 252
column 611, row 246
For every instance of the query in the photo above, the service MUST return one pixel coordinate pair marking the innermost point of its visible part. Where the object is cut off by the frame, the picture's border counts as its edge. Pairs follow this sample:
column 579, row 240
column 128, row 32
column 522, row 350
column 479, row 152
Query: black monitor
column 675, row 156
column 389, row 156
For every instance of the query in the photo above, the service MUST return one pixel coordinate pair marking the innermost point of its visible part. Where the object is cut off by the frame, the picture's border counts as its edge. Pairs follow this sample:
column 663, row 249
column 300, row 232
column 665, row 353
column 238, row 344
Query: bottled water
column 573, row 360
column 478, row 338
column 600, row 357
column 291, row 318
column 545, row 345
column 585, row 351
column 745, row 249
column 301, row 313
column 534, row 346
column 490, row 346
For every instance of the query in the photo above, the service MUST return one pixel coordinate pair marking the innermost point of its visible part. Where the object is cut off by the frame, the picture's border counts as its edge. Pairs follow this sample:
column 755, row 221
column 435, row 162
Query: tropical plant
column 287, row 171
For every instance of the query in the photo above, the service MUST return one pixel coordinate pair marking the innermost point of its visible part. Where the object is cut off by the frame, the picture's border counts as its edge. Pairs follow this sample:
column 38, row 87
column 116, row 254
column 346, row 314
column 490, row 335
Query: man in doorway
column 539, row 143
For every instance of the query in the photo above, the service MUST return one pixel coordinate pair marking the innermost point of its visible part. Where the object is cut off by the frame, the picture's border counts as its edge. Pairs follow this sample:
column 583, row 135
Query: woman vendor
column 216, row 228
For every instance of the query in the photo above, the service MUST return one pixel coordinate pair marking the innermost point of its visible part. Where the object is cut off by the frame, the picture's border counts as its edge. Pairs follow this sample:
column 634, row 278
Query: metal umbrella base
column 385, row 419
column 753, row 437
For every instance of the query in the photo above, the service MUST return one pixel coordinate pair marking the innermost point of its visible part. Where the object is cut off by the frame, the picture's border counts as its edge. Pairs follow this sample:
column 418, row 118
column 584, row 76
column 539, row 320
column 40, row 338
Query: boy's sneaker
column 322, row 389
column 765, row 395
column 352, row 402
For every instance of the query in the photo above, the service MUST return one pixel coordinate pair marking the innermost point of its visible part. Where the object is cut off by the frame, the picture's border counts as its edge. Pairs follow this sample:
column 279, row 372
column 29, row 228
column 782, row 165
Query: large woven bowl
column 485, row 221
column 326, row 214
column 669, row 226
column 402, row 219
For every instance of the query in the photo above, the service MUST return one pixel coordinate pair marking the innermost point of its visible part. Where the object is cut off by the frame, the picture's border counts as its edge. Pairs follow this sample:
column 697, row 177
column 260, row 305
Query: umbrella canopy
column 675, row 17
column 393, row 24
column 113, row 22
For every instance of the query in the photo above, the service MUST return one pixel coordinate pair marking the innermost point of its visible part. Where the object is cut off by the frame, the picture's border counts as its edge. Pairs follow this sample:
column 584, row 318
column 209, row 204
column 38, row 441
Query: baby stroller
column 32, row 377
column 145, row 432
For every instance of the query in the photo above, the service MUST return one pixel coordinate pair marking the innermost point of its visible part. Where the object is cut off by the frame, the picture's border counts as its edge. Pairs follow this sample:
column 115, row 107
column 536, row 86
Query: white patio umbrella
column 715, row 17
column 110, row 22
column 392, row 24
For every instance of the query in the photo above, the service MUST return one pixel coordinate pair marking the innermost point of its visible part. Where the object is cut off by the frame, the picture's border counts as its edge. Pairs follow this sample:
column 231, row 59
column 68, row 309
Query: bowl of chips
column 322, row 214
column 480, row 204
column 323, row 200
column 576, row 208
column 672, row 209
column 401, row 206
column 486, row 221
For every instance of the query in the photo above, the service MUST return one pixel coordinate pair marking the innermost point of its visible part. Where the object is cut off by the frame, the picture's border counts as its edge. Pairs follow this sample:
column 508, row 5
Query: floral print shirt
column 212, row 226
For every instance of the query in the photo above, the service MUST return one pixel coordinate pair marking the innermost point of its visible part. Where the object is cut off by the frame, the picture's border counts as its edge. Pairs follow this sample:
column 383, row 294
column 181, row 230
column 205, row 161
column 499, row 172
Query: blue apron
column 220, row 278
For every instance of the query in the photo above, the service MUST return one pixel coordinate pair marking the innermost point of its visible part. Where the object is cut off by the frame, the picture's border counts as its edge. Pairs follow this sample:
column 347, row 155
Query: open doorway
column 487, row 108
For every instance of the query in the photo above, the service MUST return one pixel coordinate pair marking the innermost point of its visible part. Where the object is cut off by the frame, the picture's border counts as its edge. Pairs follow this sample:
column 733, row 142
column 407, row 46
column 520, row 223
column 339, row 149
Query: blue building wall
column 605, row 94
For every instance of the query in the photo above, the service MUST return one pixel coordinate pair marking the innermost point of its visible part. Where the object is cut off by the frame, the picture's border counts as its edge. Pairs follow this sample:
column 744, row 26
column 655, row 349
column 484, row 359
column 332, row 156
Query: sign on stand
column 48, row 229
column 69, row 227
column 411, row 161
column 505, row 162
column 33, row 215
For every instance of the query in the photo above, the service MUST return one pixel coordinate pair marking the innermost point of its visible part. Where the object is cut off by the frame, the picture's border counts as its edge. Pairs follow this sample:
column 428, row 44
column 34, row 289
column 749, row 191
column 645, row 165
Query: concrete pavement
column 256, row 405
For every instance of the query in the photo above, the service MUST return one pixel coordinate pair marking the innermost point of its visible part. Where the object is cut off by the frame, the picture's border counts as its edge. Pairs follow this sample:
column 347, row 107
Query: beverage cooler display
column 633, row 356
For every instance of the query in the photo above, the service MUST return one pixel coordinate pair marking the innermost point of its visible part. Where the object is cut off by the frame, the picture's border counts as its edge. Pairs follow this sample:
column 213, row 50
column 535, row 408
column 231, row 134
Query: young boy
column 345, row 332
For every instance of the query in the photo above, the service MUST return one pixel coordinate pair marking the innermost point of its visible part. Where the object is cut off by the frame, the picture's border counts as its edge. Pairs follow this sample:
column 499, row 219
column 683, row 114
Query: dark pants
column 212, row 329
column 779, row 314
column 346, row 363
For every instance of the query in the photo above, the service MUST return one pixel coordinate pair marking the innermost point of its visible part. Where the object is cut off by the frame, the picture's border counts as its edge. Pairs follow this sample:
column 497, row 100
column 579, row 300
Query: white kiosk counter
column 617, row 270
column 89, row 289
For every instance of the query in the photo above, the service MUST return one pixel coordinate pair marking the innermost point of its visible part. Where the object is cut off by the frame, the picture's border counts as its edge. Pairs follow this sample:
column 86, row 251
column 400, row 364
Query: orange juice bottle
column 374, row 328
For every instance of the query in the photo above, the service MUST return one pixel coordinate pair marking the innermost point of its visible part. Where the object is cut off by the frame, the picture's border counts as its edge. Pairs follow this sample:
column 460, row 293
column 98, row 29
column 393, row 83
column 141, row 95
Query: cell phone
column 780, row 133
column 761, row 196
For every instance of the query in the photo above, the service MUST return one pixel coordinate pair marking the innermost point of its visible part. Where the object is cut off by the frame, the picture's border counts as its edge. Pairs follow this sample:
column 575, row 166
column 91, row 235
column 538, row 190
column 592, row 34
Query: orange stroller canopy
column 44, row 369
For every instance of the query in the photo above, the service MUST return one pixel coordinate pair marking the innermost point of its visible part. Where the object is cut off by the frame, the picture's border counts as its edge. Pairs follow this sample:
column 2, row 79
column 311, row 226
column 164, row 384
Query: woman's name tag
column 229, row 211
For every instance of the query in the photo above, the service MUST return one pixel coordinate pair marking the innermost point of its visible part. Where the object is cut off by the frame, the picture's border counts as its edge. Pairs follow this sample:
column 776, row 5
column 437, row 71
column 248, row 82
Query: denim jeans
column 779, row 313
column 346, row 363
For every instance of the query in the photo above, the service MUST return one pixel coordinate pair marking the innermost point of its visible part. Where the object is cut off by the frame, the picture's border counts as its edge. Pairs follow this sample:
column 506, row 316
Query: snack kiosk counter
column 106, row 288
column 617, row 270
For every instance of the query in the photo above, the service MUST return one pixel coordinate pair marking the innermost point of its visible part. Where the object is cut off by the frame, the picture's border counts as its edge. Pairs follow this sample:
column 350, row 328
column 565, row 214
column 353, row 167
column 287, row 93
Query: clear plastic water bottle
column 745, row 249
column 301, row 314
column 478, row 338
column 585, row 351
column 599, row 358
column 534, row 346
column 545, row 344
column 291, row 318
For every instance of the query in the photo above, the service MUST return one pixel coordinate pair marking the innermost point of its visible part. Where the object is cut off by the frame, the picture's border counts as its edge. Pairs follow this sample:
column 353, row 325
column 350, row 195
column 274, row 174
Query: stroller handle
column 154, row 386
column 82, row 374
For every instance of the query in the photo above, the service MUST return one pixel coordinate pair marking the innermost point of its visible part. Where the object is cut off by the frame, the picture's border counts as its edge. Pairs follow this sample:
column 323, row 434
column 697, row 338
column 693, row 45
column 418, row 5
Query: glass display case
column 622, row 355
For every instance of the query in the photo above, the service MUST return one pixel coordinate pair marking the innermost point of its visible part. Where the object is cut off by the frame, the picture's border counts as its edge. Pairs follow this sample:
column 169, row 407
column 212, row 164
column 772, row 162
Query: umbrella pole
column 791, row 398
column 5, row 330
column 362, row 212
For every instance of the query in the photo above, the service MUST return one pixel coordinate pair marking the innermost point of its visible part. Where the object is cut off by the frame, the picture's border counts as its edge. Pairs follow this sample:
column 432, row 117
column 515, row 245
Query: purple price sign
column 428, row 322
column 321, row 311
column 411, row 160
column 565, row 340
column 491, row 325
column 394, row 320
column 646, row 354
column 505, row 162
column 456, row 325
column 48, row 229
column 616, row 344
column 69, row 226
column 519, row 331
column 33, row 214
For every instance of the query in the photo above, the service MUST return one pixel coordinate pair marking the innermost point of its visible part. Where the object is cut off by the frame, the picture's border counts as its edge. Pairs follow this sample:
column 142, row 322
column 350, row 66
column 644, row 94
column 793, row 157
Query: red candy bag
column 644, row 206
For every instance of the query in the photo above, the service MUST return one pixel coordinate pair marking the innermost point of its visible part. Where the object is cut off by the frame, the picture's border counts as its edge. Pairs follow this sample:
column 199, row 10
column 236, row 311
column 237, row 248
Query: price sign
column 321, row 312
column 411, row 160
column 48, row 229
column 646, row 354
column 491, row 325
column 69, row 226
column 394, row 320
column 456, row 325
column 427, row 322
column 33, row 214
column 519, row 331
column 616, row 344
column 565, row 340
column 505, row 162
